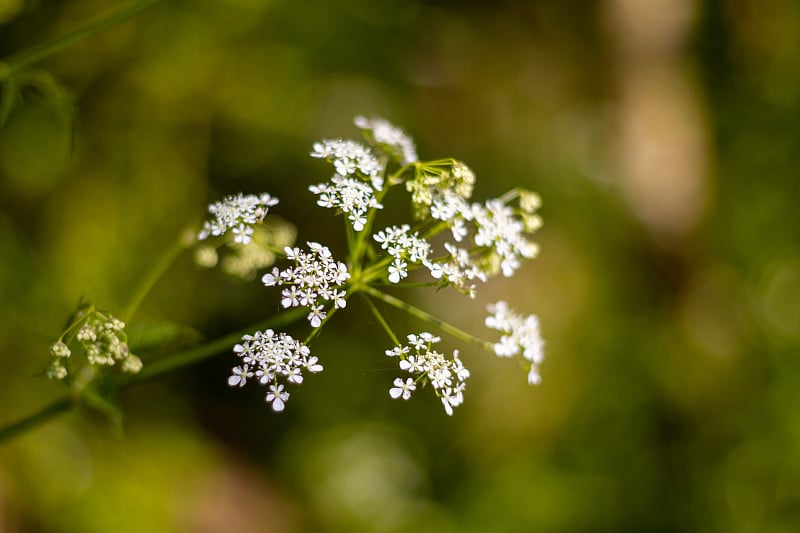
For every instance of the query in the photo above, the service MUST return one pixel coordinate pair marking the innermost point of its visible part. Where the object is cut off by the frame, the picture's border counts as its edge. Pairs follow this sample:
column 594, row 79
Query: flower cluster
column 238, row 213
column 271, row 357
column 350, row 158
column 389, row 138
column 495, row 231
column 446, row 376
column 350, row 195
column 443, row 182
column 104, row 341
column 315, row 277
column 245, row 260
column 521, row 337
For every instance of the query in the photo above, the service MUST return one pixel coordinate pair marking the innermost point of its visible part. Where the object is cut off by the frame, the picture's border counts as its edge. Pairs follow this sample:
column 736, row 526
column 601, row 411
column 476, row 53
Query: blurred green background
column 664, row 138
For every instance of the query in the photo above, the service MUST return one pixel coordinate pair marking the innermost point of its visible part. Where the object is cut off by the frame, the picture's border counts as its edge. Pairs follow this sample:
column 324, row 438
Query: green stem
column 62, row 405
column 167, row 365
column 152, row 277
column 33, row 55
column 360, row 246
column 381, row 320
column 429, row 318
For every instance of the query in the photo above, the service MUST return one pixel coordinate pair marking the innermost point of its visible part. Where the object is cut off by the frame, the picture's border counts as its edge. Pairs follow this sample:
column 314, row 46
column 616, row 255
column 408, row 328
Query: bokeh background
column 664, row 138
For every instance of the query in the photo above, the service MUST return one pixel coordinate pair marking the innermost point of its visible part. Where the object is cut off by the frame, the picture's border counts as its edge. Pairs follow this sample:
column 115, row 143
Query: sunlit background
column 664, row 139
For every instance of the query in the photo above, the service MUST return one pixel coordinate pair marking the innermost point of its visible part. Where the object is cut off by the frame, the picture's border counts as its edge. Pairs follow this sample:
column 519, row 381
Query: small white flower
column 314, row 279
column 240, row 376
column 389, row 138
column 402, row 388
column 521, row 336
column 59, row 349
column 398, row 270
column 238, row 213
column 316, row 316
column 446, row 376
column 277, row 397
column 272, row 357
column 351, row 196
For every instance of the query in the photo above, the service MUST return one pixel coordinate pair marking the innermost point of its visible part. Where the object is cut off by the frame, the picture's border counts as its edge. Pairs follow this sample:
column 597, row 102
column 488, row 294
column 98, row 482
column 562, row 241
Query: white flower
column 274, row 357
column 402, row 388
column 521, row 337
column 277, row 397
column 446, row 376
column 398, row 270
column 389, row 138
column 240, row 376
column 238, row 213
column 350, row 158
column 314, row 279
column 59, row 349
column 350, row 195
column 316, row 316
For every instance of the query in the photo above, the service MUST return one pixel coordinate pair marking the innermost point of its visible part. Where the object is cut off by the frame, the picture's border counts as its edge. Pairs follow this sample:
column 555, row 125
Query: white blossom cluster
column 501, row 231
column 388, row 138
column 104, row 342
column 351, row 195
column 350, row 158
column 437, row 179
column 271, row 357
column 238, row 213
column 496, row 231
column 446, row 376
column 406, row 247
column 521, row 336
column 314, row 279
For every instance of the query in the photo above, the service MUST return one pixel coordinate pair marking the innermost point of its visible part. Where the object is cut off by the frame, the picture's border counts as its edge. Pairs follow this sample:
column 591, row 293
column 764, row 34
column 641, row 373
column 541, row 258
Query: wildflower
column 350, row 158
column 499, row 230
column 274, row 357
column 350, row 195
column 315, row 277
column 57, row 370
column 238, row 213
column 389, row 138
column 439, row 182
column 402, row 388
column 59, row 349
column 446, row 376
column 521, row 337
column 102, row 339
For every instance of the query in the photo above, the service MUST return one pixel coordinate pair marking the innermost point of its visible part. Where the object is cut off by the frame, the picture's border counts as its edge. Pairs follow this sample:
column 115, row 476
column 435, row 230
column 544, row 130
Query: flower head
column 350, row 195
column 521, row 337
column 315, row 278
column 446, row 376
column 350, row 158
column 388, row 138
column 103, row 340
column 272, row 357
column 238, row 213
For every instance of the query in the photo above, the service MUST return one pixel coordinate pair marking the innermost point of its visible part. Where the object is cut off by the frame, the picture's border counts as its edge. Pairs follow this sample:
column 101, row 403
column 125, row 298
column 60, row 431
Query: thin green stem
column 60, row 406
column 358, row 249
column 429, row 318
column 381, row 319
column 152, row 277
column 167, row 365
column 39, row 52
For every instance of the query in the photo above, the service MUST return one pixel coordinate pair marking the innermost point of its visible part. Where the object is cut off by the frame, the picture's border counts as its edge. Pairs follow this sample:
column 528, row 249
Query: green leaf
column 149, row 336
